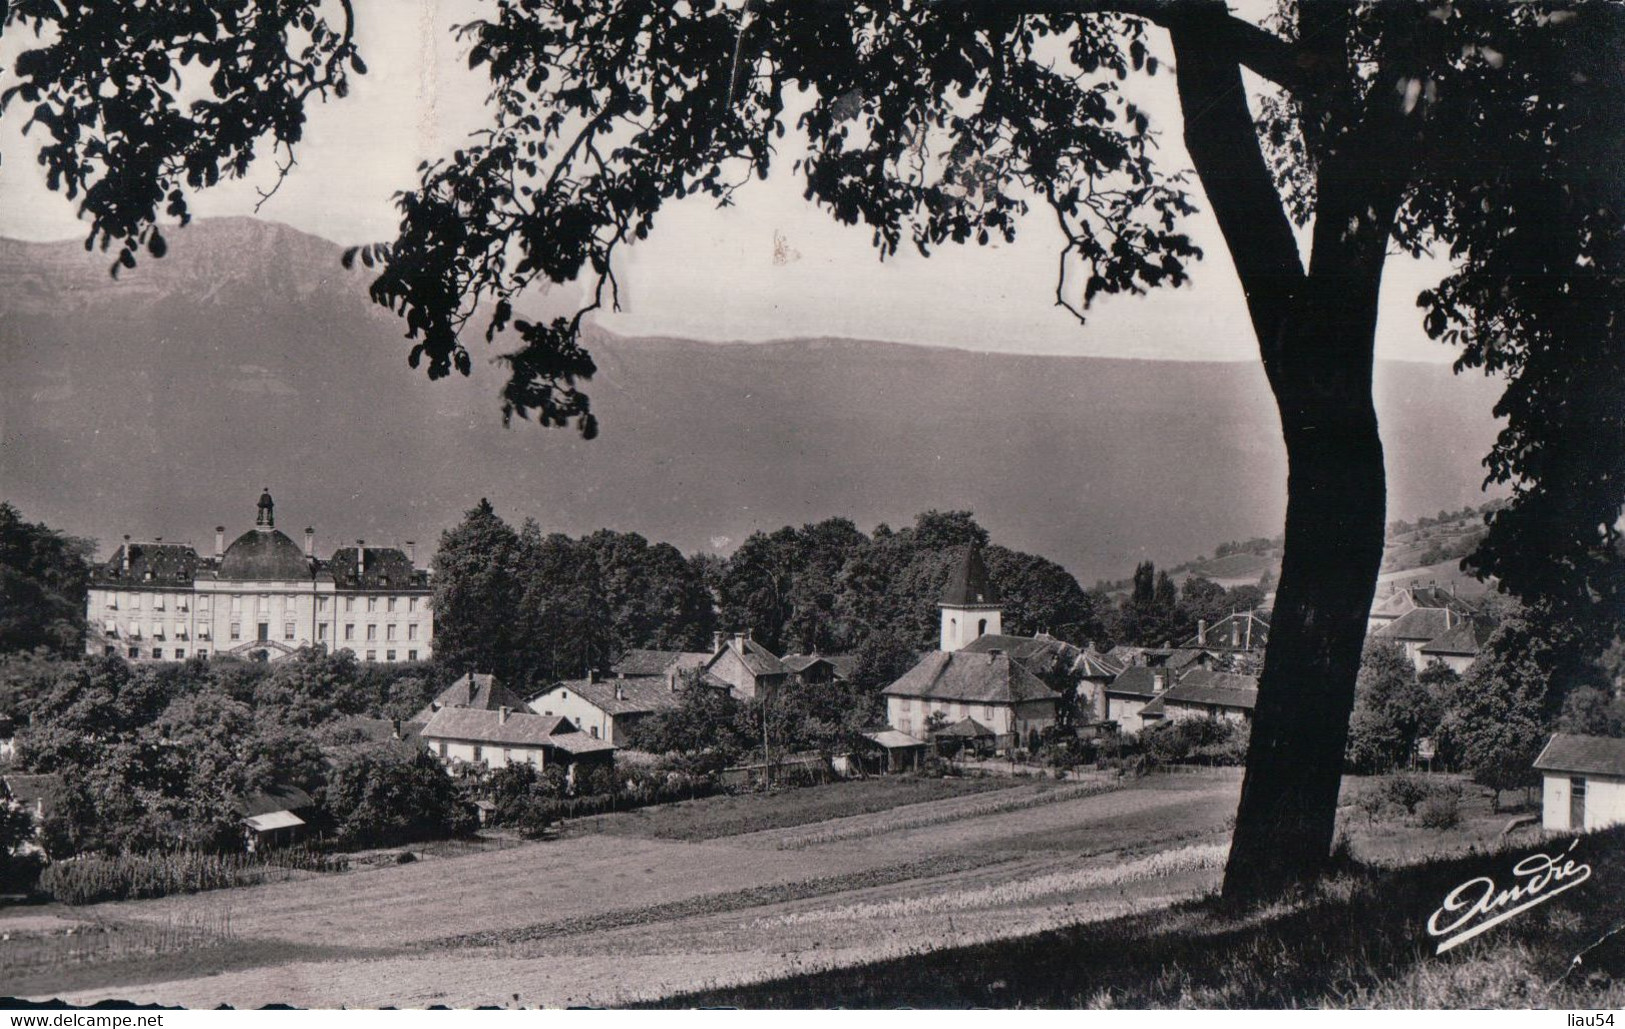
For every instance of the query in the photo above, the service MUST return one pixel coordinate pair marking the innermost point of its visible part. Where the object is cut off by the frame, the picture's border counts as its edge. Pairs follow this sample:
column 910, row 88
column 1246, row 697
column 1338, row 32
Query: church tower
column 970, row 608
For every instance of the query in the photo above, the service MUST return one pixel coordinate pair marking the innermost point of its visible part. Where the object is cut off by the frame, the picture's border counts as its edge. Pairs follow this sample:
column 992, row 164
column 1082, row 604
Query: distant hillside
column 159, row 404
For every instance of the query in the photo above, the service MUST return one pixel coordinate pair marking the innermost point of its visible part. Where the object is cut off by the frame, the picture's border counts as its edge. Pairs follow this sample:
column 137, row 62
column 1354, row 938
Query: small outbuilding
column 273, row 817
column 894, row 751
column 1584, row 784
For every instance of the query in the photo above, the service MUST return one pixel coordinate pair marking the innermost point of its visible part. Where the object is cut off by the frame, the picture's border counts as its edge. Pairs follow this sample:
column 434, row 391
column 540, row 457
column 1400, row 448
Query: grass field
column 749, row 898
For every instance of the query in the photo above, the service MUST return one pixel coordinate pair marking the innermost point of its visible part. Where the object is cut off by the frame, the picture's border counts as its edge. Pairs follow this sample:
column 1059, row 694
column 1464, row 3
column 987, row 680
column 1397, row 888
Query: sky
column 772, row 267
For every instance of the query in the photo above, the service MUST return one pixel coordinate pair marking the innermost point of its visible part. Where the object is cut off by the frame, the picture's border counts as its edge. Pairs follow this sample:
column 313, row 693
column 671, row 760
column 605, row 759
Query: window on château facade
column 372, row 655
column 391, row 604
column 158, row 602
column 372, row 633
column 349, row 632
column 236, row 603
column 389, row 655
column 236, row 631
column 389, row 632
column 411, row 632
column 411, row 655
column 372, row 604
column 287, row 630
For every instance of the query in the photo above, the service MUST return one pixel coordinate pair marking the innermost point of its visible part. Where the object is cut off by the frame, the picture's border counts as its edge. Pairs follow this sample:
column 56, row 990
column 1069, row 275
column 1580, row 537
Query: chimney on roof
column 219, row 542
column 739, row 642
column 412, row 552
column 1159, row 682
column 1201, row 632
column 126, row 557
column 503, row 713
column 717, row 639
column 592, row 675
column 310, row 541
column 620, row 692
column 360, row 557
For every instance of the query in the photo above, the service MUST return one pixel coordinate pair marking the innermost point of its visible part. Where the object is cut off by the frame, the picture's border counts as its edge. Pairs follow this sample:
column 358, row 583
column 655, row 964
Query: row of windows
column 179, row 653
column 262, row 603
column 956, row 709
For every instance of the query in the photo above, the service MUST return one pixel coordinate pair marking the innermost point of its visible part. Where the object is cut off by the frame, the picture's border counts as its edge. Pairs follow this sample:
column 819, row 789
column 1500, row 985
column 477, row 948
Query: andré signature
column 1478, row 904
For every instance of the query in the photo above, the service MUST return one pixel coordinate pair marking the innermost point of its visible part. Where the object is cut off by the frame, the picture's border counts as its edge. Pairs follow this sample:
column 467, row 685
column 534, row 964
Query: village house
column 1043, row 655
column 1128, row 694
column 1584, row 782
column 1458, row 648
column 985, row 685
column 475, row 690
column 657, row 664
column 608, row 709
column 1205, row 694
column 992, row 688
column 812, row 669
column 1402, row 600
column 496, row 739
column 749, row 669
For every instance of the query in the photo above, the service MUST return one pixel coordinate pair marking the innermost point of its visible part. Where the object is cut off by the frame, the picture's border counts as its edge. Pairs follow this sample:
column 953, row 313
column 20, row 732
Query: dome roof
column 264, row 554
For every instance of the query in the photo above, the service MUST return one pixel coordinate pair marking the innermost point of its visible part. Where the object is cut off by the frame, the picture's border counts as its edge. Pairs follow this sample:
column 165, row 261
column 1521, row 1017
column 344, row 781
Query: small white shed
column 1584, row 782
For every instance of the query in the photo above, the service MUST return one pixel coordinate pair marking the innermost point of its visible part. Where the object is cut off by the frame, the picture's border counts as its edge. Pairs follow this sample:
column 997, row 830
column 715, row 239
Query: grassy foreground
column 1359, row 940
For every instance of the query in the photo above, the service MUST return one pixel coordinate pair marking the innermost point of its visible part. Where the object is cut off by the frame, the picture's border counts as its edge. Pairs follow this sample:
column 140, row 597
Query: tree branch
column 1274, row 58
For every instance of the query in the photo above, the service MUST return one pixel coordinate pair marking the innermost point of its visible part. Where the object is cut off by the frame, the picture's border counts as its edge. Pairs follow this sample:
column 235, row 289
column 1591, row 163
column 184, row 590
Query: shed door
column 1577, row 803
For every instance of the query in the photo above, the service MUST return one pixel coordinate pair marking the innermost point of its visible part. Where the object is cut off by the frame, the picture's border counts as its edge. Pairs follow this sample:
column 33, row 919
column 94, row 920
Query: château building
column 157, row 601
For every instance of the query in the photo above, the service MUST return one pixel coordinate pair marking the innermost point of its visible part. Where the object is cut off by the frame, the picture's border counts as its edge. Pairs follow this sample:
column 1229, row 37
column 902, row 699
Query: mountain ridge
column 160, row 403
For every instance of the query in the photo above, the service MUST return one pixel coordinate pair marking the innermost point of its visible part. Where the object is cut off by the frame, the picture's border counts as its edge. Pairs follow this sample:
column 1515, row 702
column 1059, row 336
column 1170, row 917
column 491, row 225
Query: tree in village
column 1478, row 129
column 1392, row 710
column 43, row 574
column 475, row 577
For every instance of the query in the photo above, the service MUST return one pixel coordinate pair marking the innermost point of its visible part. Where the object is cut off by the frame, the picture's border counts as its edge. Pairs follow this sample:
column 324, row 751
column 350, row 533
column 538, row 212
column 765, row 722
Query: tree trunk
column 1316, row 335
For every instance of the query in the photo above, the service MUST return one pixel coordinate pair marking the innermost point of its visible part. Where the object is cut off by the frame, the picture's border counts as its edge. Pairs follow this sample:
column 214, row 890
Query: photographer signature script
column 1479, row 904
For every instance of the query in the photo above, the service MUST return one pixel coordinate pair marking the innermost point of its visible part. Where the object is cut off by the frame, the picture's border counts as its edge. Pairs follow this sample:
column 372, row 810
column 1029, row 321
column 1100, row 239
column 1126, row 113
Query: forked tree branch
column 1278, row 60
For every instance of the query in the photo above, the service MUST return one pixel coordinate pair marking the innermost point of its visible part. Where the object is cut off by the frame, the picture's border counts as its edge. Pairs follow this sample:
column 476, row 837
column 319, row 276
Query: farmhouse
column 657, row 664
column 1402, row 600
column 1205, row 694
column 608, row 709
column 748, row 668
column 1584, row 785
column 474, row 690
column 1128, row 694
column 812, row 669
column 495, row 739
column 992, row 688
column 1044, row 654
column 1458, row 648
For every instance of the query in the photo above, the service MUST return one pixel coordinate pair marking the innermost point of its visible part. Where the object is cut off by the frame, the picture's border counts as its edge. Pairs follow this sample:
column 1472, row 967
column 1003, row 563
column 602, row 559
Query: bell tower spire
column 970, row 607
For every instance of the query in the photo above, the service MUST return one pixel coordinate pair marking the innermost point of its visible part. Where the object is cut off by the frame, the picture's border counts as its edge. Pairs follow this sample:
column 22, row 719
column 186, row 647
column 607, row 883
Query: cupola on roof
column 263, row 552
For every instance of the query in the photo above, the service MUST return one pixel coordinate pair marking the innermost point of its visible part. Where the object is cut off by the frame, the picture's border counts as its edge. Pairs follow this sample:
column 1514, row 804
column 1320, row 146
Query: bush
column 1441, row 810
column 382, row 797
column 1406, row 791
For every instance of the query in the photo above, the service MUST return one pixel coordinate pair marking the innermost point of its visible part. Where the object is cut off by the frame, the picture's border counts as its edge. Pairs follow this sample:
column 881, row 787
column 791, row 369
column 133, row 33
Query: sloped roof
column 1422, row 623
column 620, row 696
column 474, row 690
column 273, row 820
column 168, row 564
column 650, row 663
column 1044, row 652
column 801, row 662
column 968, row 585
column 756, row 657
column 1468, row 638
column 1225, row 689
column 1587, row 755
column 384, row 568
column 892, row 739
column 973, row 678
column 969, row 728
column 1410, row 598
column 518, row 729
column 33, row 789
column 1238, row 630
column 1140, row 681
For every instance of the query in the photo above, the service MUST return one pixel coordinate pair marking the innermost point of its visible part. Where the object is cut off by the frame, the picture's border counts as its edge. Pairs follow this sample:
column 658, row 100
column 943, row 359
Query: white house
column 1584, row 782
column 607, row 709
column 495, row 739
